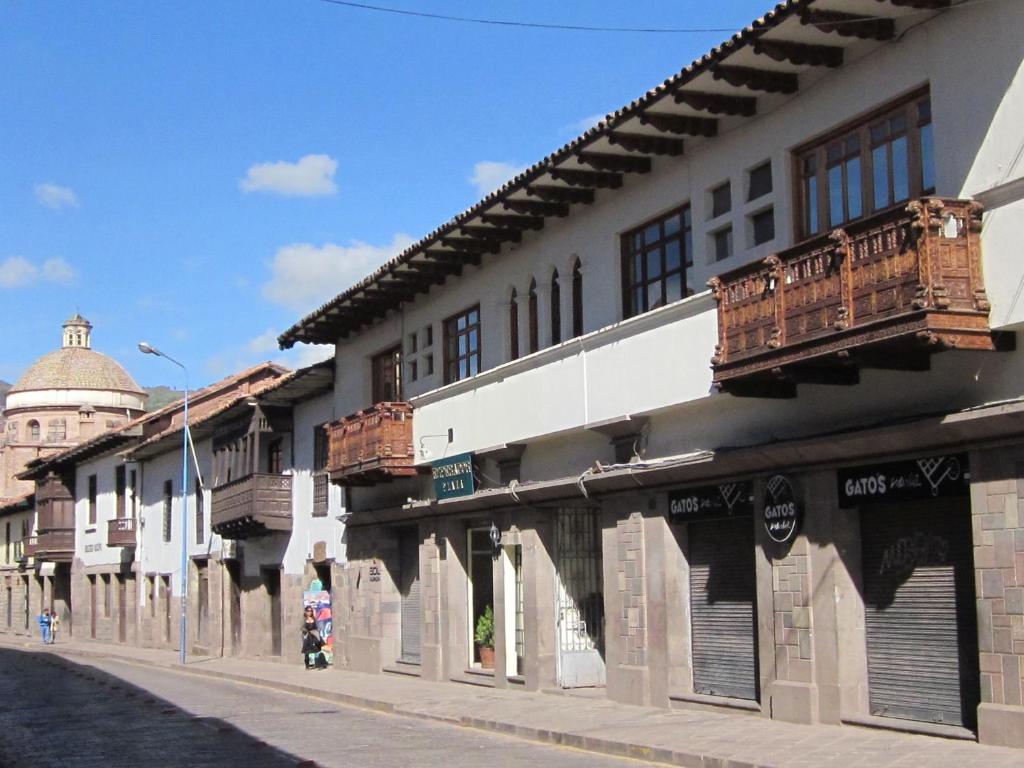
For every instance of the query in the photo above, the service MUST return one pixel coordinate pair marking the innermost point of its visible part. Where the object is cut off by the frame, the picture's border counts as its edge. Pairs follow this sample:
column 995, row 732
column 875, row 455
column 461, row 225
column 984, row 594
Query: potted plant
column 484, row 637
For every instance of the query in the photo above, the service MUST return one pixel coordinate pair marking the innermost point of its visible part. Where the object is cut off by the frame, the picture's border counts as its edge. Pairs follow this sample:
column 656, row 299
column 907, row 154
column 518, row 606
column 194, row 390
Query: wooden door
column 387, row 376
column 92, row 607
column 235, row 605
column 122, row 609
column 272, row 579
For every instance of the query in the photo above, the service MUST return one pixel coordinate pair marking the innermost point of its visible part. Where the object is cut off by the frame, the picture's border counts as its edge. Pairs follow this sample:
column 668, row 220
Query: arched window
column 33, row 431
column 556, row 310
column 532, row 310
column 513, row 326
column 577, row 299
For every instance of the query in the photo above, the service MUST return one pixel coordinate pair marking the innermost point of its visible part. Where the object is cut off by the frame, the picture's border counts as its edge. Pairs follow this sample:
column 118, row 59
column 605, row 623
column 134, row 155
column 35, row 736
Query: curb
column 596, row 745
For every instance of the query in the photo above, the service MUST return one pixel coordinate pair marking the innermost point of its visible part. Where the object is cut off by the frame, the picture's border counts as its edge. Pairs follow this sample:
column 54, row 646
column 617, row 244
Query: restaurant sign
column 453, row 476
column 783, row 510
column 706, row 501
column 930, row 478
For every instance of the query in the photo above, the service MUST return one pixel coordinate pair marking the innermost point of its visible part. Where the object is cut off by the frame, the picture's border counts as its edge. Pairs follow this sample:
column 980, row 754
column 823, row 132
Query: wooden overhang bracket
column 800, row 54
column 494, row 234
column 849, row 24
column 921, row 5
column 437, row 267
column 648, row 145
column 535, row 223
column 717, row 103
column 578, row 178
column 561, row 195
column 617, row 163
column 773, row 388
column 537, row 207
column 756, row 79
column 471, row 245
column 680, row 125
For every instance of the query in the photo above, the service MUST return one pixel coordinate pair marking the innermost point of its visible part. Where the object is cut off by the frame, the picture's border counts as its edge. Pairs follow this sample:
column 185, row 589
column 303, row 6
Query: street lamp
column 146, row 349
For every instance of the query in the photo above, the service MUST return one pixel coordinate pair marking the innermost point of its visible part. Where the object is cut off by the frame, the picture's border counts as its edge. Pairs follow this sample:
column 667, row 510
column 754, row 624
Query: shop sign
column 453, row 476
column 711, row 501
column 783, row 511
column 930, row 478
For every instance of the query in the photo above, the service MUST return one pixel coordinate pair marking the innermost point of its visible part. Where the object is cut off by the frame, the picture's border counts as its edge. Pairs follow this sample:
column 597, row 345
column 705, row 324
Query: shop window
column 657, row 263
column 462, row 345
column 867, row 166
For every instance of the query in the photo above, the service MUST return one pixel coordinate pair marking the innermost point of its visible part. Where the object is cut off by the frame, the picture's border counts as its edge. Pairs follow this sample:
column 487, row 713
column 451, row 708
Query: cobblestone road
column 55, row 712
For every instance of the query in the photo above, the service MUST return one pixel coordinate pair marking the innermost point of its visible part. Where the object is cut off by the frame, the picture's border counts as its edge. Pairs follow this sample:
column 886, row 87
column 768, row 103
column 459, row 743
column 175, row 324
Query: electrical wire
column 628, row 30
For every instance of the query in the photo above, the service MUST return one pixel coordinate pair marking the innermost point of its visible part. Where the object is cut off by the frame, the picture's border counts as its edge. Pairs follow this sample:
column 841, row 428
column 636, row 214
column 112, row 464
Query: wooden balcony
column 121, row 532
column 884, row 292
column 55, row 545
column 252, row 506
column 372, row 446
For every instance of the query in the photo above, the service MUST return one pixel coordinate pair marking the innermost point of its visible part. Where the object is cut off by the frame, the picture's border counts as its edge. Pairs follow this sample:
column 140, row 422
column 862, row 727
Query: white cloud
column 304, row 275
column 488, row 175
column 55, row 196
column 17, row 271
column 264, row 347
column 585, row 124
column 59, row 271
column 311, row 176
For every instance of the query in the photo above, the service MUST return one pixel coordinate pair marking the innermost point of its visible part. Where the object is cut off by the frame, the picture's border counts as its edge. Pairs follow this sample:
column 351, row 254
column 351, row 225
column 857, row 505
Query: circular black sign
column 782, row 510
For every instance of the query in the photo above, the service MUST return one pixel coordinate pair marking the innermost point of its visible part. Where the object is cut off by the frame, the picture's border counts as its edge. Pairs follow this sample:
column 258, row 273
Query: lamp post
column 149, row 350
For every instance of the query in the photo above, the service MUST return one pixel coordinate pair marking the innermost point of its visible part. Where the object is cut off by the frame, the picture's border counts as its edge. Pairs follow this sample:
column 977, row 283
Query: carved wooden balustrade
column 55, row 520
column 251, row 506
column 885, row 291
column 121, row 532
column 371, row 446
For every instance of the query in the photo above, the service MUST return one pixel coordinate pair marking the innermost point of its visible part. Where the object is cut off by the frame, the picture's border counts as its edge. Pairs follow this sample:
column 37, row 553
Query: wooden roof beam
column 577, row 178
column 437, row 268
column 537, row 207
column 616, row 163
column 717, row 103
column 471, row 244
column 680, row 125
column 923, row 5
column 756, row 79
column 848, row 24
column 413, row 282
column 551, row 194
column 454, row 257
column 646, row 144
column 514, row 221
column 800, row 54
column 493, row 233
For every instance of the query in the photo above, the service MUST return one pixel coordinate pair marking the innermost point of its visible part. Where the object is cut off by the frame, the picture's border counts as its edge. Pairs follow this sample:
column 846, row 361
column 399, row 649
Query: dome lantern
column 77, row 332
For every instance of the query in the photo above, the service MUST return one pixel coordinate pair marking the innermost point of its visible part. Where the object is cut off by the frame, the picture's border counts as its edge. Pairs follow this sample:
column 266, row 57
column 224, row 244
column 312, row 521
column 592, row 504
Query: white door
column 580, row 602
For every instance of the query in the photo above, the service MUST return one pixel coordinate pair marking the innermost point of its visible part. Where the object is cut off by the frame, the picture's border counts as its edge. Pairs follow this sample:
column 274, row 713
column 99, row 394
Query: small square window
column 723, row 243
column 764, row 226
column 412, row 342
column 428, row 361
column 413, row 371
column 428, row 336
column 760, row 181
column 721, row 200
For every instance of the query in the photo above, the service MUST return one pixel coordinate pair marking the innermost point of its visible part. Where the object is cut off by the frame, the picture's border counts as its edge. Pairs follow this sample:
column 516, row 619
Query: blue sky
column 201, row 174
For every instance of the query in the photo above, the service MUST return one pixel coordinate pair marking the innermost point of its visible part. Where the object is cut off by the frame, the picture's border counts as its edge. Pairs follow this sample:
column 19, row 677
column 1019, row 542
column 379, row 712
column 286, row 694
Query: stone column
column 543, row 313
column 539, row 603
column 997, row 508
column 432, row 662
column 625, row 588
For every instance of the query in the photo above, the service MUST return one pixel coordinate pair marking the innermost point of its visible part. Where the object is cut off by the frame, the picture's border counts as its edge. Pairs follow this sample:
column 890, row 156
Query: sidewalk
column 678, row 737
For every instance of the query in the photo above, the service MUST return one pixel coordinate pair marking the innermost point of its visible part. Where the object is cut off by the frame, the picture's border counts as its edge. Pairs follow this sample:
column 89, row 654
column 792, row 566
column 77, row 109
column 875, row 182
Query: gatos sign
column 930, row 478
column 711, row 501
column 783, row 512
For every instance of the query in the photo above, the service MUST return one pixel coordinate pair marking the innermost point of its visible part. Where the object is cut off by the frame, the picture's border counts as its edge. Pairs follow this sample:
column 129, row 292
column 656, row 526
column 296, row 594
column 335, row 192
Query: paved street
column 57, row 712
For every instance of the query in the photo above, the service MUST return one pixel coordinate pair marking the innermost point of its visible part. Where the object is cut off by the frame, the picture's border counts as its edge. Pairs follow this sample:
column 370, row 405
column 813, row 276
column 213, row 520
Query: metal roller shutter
column 919, row 612
column 409, row 588
column 722, row 594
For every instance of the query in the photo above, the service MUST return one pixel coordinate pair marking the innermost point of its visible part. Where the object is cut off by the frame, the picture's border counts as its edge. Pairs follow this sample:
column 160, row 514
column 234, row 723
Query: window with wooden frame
column 531, row 315
column 120, row 490
column 657, row 262
column 866, row 166
column 133, row 486
column 462, row 345
column 168, row 501
column 321, row 449
column 577, row 299
column 92, row 499
column 556, row 309
column 513, row 326
column 387, row 376
column 200, row 512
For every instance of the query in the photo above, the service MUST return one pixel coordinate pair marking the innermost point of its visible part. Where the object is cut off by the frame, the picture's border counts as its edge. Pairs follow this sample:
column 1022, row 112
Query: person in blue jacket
column 44, row 625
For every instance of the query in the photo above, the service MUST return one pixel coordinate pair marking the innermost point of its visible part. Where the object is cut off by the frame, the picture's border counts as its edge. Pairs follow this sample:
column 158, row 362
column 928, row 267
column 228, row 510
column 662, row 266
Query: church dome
column 75, row 368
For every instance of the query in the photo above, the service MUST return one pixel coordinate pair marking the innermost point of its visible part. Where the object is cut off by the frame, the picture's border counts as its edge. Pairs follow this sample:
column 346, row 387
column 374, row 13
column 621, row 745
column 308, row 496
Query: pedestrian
column 44, row 625
column 54, row 626
column 311, row 642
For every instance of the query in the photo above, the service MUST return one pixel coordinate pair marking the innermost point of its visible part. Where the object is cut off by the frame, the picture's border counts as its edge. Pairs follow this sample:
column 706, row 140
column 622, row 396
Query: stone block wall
column 13, row 604
column 791, row 589
column 631, row 622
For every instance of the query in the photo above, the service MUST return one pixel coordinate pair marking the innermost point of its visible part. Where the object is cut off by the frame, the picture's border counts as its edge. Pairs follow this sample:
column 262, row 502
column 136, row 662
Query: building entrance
column 579, row 599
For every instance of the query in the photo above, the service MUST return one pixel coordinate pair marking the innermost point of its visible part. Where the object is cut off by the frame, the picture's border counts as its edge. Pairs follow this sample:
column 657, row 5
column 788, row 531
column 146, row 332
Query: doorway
column 272, row 583
column 481, row 587
column 93, row 607
column 580, row 599
column 387, row 376
column 122, row 609
column 409, row 591
column 234, row 605
column 202, row 603
column 165, row 585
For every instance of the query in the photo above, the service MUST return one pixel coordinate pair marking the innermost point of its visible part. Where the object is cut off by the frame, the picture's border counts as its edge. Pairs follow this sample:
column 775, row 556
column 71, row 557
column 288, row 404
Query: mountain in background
column 161, row 396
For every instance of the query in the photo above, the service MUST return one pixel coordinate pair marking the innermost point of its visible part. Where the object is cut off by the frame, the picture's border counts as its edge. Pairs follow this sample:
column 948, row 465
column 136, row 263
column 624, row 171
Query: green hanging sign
column 453, row 476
